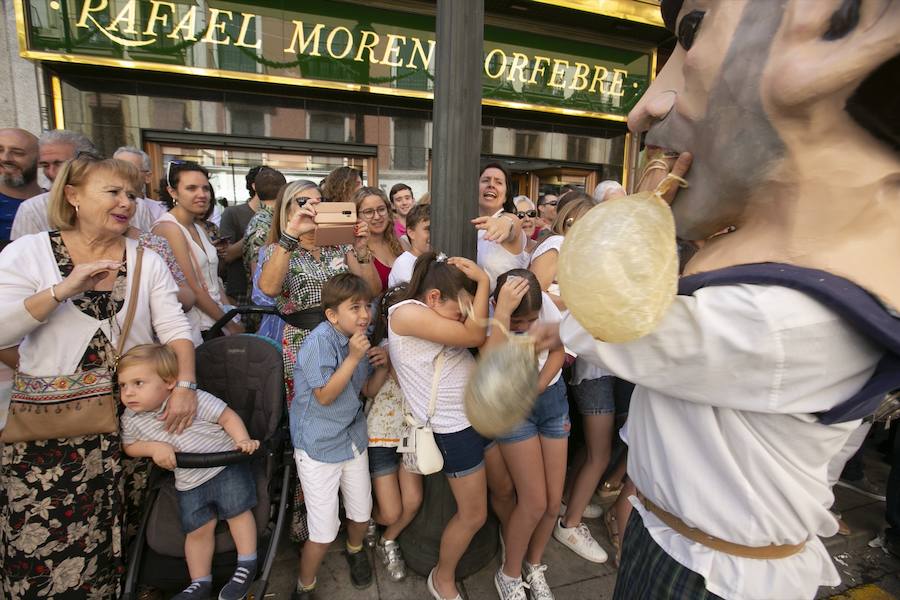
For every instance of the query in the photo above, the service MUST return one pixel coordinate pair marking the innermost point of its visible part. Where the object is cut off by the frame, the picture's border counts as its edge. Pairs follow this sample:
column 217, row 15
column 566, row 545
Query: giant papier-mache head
column 792, row 113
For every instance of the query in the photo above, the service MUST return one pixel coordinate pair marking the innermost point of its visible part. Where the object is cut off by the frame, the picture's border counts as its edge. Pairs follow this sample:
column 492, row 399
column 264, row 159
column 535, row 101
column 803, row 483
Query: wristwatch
column 186, row 384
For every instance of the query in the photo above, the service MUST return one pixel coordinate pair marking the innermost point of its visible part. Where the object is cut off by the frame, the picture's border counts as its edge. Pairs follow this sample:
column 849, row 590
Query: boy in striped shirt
column 147, row 375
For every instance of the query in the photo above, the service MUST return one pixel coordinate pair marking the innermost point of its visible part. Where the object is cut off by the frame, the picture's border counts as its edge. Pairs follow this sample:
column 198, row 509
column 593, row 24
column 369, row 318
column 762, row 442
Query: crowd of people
column 377, row 336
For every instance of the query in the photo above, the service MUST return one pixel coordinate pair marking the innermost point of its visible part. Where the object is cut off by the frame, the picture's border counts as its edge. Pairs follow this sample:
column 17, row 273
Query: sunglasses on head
column 176, row 163
column 526, row 213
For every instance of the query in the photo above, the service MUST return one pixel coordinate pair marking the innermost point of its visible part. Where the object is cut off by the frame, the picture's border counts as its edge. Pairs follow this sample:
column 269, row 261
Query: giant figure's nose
column 660, row 98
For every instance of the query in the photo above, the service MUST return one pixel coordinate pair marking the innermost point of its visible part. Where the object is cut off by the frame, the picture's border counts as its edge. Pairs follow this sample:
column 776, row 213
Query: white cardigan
column 56, row 346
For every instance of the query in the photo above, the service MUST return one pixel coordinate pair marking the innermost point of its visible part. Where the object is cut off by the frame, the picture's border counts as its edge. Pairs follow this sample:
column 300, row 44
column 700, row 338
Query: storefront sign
column 325, row 43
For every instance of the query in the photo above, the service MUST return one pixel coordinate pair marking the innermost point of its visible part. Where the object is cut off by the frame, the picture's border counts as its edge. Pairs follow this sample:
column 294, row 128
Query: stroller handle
column 249, row 309
column 195, row 460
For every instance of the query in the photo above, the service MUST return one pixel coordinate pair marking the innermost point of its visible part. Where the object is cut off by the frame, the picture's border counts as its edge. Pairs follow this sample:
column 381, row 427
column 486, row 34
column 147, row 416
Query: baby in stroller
column 147, row 374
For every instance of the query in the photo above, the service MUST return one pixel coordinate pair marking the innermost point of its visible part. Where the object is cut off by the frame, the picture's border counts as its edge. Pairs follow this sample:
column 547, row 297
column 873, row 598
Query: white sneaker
column 509, row 588
column 592, row 511
column 539, row 589
column 580, row 541
column 429, row 583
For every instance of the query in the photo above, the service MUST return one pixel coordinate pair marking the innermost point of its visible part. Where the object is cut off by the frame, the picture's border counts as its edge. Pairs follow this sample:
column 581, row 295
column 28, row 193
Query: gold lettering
column 618, row 81
column 247, row 18
column 519, row 62
column 155, row 16
column 126, row 15
column 329, row 42
column 598, row 78
column 391, row 51
column 538, row 68
column 557, row 72
column 420, row 50
column 87, row 9
column 188, row 24
column 579, row 80
column 367, row 45
column 215, row 26
column 303, row 42
column 489, row 59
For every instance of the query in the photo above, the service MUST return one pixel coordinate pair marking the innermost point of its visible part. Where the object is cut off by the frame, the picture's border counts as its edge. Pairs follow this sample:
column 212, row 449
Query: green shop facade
column 308, row 85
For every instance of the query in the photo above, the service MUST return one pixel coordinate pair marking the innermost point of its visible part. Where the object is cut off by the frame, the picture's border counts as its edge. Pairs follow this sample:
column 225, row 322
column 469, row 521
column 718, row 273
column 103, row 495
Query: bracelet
column 53, row 294
column 288, row 242
column 362, row 261
column 189, row 385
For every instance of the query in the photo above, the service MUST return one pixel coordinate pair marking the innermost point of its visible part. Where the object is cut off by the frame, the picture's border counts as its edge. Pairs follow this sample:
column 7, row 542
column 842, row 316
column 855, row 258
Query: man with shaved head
column 18, row 175
column 785, row 331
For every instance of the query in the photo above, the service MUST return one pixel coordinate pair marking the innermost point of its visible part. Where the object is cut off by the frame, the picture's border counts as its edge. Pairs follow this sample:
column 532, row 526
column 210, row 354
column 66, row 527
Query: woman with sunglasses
column 64, row 297
column 185, row 229
column 527, row 213
column 374, row 208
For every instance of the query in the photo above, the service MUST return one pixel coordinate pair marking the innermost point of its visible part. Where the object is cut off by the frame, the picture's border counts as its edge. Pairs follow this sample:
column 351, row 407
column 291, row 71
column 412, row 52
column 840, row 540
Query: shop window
column 327, row 127
column 409, row 144
column 578, row 148
column 528, row 144
column 237, row 58
column 107, row 128
column 487, row 140
column 247, row 121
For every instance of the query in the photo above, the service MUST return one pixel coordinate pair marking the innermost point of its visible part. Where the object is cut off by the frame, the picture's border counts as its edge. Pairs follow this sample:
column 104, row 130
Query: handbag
column 421, row 454
column 67, row 406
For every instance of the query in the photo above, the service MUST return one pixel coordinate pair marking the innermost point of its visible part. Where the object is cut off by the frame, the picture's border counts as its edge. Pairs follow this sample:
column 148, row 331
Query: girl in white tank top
column 434, row 320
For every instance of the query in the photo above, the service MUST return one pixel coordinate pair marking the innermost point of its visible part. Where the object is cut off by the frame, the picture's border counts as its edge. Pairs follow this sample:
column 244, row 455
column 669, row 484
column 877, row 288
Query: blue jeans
column 463, row 451
column 230, row 493
column 549, row 417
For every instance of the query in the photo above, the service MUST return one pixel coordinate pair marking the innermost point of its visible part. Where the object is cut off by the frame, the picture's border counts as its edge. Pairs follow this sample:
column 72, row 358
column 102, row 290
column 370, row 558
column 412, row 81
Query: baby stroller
column 245, row 371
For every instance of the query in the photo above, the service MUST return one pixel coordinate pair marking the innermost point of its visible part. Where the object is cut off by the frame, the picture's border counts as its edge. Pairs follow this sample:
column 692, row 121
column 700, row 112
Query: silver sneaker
column 539, row 589
column 371, row 533
column 509, row 588
column 389, row 553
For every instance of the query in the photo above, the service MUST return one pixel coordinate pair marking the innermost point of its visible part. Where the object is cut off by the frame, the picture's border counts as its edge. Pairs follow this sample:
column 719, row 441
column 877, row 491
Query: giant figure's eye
column 688, row 28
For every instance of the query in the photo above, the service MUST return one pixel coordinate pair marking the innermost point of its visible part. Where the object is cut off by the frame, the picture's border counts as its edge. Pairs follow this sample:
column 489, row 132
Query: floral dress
column 302, row 289
column 61, row 501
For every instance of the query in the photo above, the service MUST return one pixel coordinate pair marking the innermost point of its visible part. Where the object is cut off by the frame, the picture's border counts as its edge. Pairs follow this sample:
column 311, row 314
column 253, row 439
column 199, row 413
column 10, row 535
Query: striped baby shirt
column 205, row 435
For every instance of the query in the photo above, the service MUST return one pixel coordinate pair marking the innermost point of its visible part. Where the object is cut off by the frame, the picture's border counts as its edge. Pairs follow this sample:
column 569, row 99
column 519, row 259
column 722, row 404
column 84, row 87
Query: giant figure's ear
column 827, row 48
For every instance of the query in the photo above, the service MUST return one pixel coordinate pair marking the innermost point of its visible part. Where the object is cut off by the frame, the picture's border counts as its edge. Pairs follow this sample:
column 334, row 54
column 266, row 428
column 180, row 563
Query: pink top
column 399, row 228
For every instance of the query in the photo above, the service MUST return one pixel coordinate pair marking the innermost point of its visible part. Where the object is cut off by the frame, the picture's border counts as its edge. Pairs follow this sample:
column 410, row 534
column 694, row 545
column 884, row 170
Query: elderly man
column 784, row 333
column 151, row 208
column 18, row 175
column 56, row 147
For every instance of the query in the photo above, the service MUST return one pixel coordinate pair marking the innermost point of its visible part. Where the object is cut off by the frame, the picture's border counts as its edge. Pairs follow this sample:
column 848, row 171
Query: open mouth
column 120, row 218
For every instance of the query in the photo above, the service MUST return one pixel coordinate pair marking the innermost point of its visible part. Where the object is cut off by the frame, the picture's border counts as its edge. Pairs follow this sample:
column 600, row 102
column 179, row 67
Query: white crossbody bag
column 420, row 451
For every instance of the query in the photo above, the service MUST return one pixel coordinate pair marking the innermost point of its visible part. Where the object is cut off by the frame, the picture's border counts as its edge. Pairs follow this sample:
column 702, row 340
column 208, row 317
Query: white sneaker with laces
column 580, row 541
column 539, row 589
column 591, row 511
column 509, row 588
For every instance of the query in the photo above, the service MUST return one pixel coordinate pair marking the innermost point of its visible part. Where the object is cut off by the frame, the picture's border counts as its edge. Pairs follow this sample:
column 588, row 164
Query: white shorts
column 321, row 482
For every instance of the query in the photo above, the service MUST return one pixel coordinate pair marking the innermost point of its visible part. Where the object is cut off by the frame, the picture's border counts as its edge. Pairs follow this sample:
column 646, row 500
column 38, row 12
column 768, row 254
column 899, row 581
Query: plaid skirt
column 648, row 573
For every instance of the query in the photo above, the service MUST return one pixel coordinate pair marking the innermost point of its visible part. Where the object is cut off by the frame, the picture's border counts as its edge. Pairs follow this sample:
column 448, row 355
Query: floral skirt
column 61, row 513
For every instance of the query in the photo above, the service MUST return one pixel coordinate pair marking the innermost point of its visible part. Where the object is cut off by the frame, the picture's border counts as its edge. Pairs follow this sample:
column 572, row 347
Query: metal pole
column 457, row 126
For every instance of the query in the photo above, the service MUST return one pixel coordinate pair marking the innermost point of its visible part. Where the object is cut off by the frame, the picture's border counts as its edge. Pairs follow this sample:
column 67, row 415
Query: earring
column 76, row 209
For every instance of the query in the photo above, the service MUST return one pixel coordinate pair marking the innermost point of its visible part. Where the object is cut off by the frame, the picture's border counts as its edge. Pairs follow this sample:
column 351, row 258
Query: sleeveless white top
column 205, row 262
column 413, row 360
column 497, row 260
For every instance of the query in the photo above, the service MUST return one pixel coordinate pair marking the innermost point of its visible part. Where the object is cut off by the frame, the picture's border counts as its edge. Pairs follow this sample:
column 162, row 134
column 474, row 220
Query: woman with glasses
column 547, row 209
column 373, row 207
column 527, row 213
column 184, row 228
column 64, row 297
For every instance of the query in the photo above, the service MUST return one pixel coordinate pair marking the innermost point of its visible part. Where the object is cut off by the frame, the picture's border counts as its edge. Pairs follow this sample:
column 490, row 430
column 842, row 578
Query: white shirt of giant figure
column 722, row 429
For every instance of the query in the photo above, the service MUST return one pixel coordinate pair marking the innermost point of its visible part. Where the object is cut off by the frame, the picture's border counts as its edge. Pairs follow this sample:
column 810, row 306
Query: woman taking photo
column 501, row 244
column 184, row 228
column 294, row 269
column 374, row 209
column 66, row 295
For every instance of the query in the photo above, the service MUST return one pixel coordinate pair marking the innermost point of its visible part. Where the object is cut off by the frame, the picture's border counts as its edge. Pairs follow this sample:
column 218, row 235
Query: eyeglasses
column 527, row 213
column 370, row 213
column 550, row 203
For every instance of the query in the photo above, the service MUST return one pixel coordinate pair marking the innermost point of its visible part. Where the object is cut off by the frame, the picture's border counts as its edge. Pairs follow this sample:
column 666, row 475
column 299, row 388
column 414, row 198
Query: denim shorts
column 383, row 460
column 231, row 492
column 549, row 417
column 595, row 396
column 463, row 451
